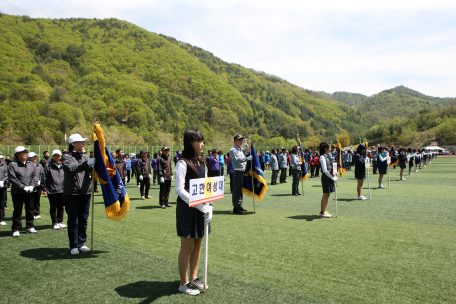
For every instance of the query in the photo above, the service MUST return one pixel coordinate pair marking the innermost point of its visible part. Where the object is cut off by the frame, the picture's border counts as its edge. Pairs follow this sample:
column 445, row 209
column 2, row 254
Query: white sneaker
column 74, row 251
column 425, row 166
column 139, row 186
column 403, row 179
column 16, row 234
column 62, row 225
column 84, row 249
column 381, row 187
column 189, row 289
column 362, row 198
column 410, row 174
column 37, row 217
column 56, row 226
column 2, row 224
column 416, row 170
column 31, row 230
column 198, row 284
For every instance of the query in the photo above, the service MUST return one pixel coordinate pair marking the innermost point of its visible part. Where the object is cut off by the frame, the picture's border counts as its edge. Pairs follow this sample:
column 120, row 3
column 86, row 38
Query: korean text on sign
column 204, row 190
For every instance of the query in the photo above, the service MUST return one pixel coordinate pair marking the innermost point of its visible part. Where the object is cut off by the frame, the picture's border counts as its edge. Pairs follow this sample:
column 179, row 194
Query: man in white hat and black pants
column 33, row 158
column 3, row 189
column 23, row 177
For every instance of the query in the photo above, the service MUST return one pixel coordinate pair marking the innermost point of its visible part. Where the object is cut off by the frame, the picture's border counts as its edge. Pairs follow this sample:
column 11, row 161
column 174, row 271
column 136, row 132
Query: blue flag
column 340, row 163
column 394, row 160
column 304, row 175
column 115, row 197
column 259, row 184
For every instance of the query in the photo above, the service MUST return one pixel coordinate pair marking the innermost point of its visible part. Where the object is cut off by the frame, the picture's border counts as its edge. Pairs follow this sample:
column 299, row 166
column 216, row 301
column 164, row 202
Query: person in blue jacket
column 267, row 159
column 262, row 160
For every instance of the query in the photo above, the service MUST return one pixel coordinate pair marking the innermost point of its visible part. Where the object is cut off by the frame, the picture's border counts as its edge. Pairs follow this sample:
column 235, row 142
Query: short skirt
column 327, row 184
column 402, row 165
column 189, row 221
column 382, row 170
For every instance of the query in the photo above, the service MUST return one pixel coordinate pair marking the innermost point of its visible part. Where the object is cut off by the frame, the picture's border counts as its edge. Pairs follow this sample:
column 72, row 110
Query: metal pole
column 251, row 173
column 368, row 182
column 206, row 234
column 388, row 176
column 335, row 191
column 93, row 192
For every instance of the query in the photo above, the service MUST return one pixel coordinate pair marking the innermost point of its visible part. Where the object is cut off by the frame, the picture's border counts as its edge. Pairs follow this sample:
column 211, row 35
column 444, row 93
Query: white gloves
column 150, row 175
column 244, row 142
column 335, row 178
column 248, row 157
column 91, row 162
column 141, row 177
column 39, row 182
column 162, row 180
column 28, row 189
column 1, row 184
column 125, row 180
column 206, row 209
column 172, row 178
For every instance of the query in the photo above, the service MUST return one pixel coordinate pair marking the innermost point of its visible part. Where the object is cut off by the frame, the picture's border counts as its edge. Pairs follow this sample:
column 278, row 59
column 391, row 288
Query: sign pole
column 335, row 183
column 93, row 189
column 206, row 234
column 368, row 181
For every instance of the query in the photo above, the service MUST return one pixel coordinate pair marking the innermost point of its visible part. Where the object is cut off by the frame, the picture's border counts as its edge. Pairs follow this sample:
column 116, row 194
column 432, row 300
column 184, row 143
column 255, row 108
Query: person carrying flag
column 238, row 160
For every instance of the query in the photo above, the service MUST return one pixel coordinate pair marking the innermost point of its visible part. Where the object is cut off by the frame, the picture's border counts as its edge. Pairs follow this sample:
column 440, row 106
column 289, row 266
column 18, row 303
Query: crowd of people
column 65, row 177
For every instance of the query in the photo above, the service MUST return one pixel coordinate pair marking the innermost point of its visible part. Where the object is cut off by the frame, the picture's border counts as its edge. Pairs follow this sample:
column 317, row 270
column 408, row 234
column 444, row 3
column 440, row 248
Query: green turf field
column 399, row 247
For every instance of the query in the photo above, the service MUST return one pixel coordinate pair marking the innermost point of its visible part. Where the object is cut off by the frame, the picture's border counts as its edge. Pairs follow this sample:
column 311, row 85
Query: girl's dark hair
column 273, row 150
column 70, row 147
column 294, row 149
column 214, row 151
column 155, row 154
column 360, row 149
column 323, row 146
column 189, row 155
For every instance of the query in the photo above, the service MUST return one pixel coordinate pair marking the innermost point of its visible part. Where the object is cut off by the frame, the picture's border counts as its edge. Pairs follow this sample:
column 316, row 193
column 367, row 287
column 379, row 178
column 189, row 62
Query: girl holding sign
column 190, row 220
column 360, row 170
column 327, row 178
column 382, row 158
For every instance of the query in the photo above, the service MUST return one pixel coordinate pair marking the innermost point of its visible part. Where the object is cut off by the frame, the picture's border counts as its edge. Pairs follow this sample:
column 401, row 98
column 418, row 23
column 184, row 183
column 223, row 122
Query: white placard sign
column 368, row 163
column 388, row 160
column 204, row 190
column 334, row 169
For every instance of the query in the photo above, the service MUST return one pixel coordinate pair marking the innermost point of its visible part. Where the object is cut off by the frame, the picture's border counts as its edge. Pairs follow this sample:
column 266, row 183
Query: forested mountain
column 56, row 75
column 351, row 99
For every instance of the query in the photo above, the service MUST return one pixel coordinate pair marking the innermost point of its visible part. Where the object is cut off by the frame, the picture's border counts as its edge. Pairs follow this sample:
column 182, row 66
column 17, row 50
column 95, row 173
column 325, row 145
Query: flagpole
column 251, row 172
column 368, row 182
column 93, row 187
column 389, row 176
column 335, row 191
column 302, row 183
column 206, row 234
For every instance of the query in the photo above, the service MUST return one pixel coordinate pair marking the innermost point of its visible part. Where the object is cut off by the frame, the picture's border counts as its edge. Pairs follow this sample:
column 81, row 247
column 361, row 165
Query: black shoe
column 298, row 193
column 295, row 194
column 242, row 208
column 168, row 205
column 237, row 210
column 163, row 206
column 285, row 182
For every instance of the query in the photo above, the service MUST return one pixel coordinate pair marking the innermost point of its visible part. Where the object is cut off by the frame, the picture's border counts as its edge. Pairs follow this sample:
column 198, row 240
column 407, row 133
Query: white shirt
column 179, row 186
column 323, row 167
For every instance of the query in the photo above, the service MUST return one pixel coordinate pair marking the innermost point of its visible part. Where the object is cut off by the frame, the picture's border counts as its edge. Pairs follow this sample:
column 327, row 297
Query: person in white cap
column 3, row 189
column 33, row 158
column 54, row 175
column 77, row 190
column 23, row 177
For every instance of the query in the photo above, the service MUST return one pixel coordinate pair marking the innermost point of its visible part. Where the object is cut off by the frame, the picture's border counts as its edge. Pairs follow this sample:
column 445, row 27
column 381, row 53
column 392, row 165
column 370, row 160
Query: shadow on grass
column 281, row 194
column 151, row 291
column 149, row 207
column 49, row 254
column 308, row 218
column 230, row 212
column 9, row 232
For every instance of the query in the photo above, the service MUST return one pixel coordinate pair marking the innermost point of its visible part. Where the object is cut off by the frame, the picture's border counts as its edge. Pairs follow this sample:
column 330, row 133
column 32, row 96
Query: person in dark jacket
column 32, row 157
column 143, row 164
column 54, row 175
column 230, row 169
column 165, row 176
column 3, row 189
column 154, row 167
column 214, row 164
column 402, row 162
column 23, row 177
column 208, row 158
column 121, row 166
column 77, row 190
column 360, row 170
column 45, row 160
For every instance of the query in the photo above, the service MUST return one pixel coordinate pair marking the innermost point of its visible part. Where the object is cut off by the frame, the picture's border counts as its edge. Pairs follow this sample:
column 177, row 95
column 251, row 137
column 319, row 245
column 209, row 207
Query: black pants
column 37, row 204
column 231, row 182
column 275, row 173
column 138, row 181
column 155, row 177
column 57, row 206
column 295, row 186
column 77, row 208
column 312, row 170
column 289, row 171
column 375, row 167
column 145, row 183
column 213, row 173
column 128, row 175
column 222, row 170
column 283, row 175
column 262, row 167
column 238, row 177
column 165, row 188
column 20, row 200
column 3, row 199
column 317, row 170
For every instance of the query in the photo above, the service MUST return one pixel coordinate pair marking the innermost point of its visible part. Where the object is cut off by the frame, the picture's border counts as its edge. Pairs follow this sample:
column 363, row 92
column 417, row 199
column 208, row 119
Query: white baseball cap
column 31, row 154
column 75, row 138
column 1, row 156
column 56, row 152
column 21, row 149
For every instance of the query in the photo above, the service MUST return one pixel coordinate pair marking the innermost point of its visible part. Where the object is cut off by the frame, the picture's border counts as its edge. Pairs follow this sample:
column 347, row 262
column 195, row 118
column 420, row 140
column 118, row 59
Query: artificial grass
column 398, row 247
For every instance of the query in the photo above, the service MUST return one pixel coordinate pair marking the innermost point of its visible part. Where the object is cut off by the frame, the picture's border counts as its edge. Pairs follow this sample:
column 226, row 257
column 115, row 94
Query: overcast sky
column 354, row 46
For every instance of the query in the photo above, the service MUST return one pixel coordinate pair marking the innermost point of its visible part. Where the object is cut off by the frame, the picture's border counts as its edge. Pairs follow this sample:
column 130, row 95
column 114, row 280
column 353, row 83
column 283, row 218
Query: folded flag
column 304, row 175
column 115, row 197
column 259, row 184
column 394, row 160
column 340, row 163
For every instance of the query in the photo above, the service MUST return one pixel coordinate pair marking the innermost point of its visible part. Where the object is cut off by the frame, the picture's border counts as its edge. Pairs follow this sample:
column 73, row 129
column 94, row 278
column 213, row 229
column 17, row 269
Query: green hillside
column 351, row 99
column 56, row 75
